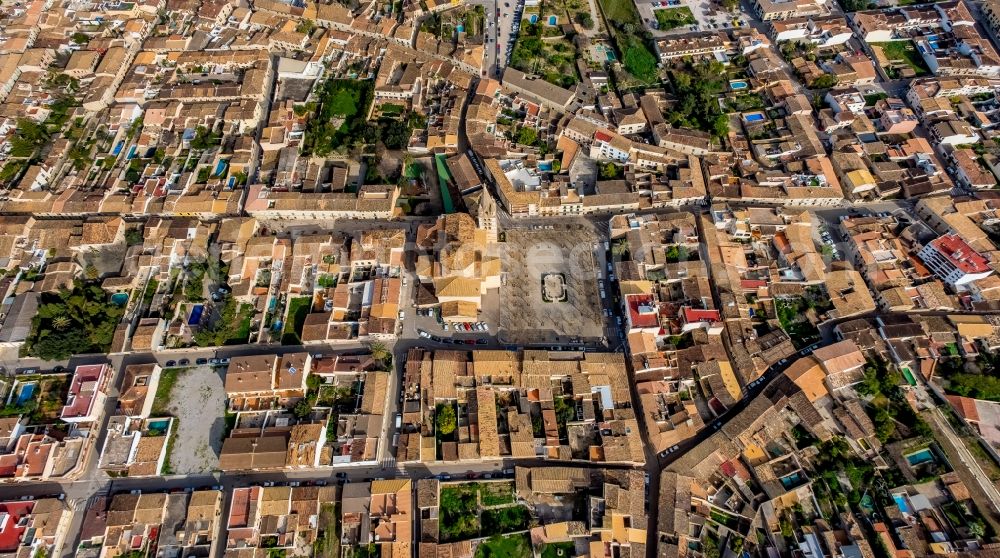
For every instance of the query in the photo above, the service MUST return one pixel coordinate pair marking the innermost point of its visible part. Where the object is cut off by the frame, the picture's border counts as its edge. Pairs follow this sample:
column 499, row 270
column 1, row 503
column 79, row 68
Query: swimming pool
column 545, row 166
column 792, row 480
column 901, row 503
column 25, row 393
column 118, row 148
column 920, row 457
column 533, row 18
column 753, row 117
column 131, row 153
column 738, row 85
column 119, row 299
column 221, row 166
column 158, row 427
column 553, row 20
column 196, row 313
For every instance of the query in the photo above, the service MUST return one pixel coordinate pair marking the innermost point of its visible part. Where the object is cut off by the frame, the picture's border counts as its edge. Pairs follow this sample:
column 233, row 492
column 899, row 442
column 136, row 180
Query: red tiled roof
column 601, row 136
column 12, row 530
column 960, row 254
column 644, row 316
column 86, row 381
column 693, row 315
column 965, row 406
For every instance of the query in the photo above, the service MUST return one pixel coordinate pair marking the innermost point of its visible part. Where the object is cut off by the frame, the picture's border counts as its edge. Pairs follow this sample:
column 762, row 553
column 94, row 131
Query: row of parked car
column 438, row 339
column 467, row 326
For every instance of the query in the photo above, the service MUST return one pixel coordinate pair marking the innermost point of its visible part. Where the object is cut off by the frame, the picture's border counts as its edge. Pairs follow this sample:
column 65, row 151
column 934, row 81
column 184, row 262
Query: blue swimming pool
column 131, row 153
column 25, row 393
column 533, row 18
column 545, row 166
column 157, row 427
column 460, row 28
column 792, row 480
column 901, row 503
column 196, row 313
column 553, row 20
column 118, row 148
column 738, row 85
column 221, row 166
column 920, row 457
column 119, row 299
column 753, row 117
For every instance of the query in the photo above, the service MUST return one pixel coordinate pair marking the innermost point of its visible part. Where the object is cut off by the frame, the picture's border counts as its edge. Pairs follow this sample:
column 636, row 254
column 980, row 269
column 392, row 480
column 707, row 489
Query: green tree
column 720, row 126
column 93, row 320
column 854, row 5
column 585, row 20
column 306, row 26
column 527, row 136
column 885, row 426
column 446, row 420
column 638, row 60
column 869, row 385
column 610, row 171
column 824, row 81
column 787, row 531
column 302, row 409
column 975, row 385
column 133, row 237
column 380, row 353
column 977, row 528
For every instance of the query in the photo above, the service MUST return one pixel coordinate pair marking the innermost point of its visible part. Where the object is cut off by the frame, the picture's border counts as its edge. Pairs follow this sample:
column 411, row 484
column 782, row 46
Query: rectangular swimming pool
column 901, row 503
column 753, row 117
column 920, row 457
column 196, row 313
column 791, row 481
column 25, row 393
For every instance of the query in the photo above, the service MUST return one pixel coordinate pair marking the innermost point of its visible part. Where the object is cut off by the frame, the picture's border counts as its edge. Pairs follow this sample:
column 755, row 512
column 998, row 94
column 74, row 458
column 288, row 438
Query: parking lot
column 708, row 15
column 502, row 17
column 564, row 253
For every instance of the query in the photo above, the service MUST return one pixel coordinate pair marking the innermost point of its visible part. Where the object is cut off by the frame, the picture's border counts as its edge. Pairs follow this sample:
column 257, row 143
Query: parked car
column 183, row 362
column 170, row 363
column 201, row 361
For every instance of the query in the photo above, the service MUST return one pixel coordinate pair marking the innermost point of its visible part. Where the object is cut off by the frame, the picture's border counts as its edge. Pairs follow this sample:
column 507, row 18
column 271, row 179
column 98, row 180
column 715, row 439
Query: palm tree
column 61, row 322
column 380, row 353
